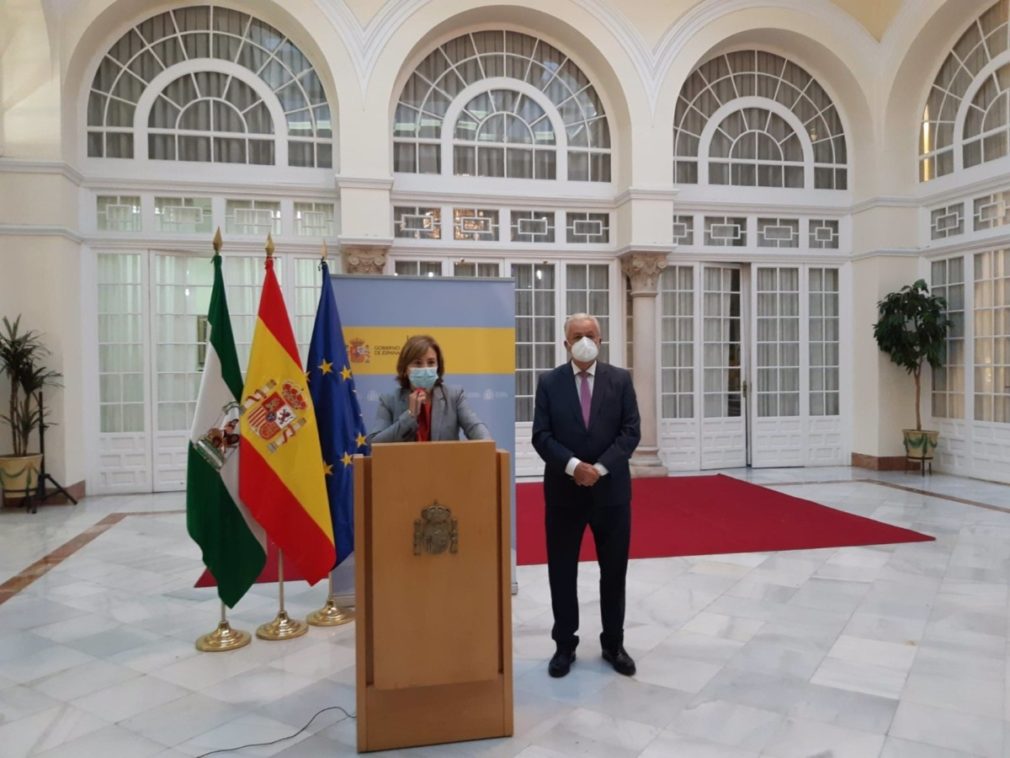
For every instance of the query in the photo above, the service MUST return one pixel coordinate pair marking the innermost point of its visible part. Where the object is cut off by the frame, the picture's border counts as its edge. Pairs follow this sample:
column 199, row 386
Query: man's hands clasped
column 585, row 474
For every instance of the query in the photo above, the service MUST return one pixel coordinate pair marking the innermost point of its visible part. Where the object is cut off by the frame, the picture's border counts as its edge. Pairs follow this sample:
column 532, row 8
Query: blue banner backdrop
column 473, row 320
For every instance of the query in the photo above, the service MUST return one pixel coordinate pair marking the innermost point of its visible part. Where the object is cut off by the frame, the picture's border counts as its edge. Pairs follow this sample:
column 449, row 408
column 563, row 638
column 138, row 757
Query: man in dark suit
column 585, row 427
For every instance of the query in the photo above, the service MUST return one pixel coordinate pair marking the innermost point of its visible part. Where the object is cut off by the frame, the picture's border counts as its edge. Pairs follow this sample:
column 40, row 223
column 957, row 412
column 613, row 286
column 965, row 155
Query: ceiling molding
column 40, row 230
column 999, row 239
column 364, row 182
column 365, row 43
column 467, row 250
column 653, row 65
column 201, row 245
column 525, row 202
column 647, row 247
column 228, row 189
column 966, row 190
column 885, row 201
column 349, row 241
column 783, row 209
column 647, row 193
column 889, row 252
column 19, row 166
column 766, row 255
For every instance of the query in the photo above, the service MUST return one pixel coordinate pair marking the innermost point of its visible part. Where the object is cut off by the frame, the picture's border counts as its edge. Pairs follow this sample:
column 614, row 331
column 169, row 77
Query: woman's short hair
column 414, row 348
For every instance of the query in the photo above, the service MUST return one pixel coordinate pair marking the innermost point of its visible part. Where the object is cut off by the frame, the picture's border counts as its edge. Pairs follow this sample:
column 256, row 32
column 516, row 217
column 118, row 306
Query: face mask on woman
column 424, row 377
column 585, row 350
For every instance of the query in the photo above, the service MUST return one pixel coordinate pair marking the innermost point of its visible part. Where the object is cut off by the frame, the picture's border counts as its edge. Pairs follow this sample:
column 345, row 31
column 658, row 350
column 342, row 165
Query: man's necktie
column 585, row 396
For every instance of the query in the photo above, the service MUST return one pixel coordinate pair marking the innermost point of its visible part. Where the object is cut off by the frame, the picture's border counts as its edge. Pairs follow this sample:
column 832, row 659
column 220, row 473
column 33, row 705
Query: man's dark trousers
column 611, row 528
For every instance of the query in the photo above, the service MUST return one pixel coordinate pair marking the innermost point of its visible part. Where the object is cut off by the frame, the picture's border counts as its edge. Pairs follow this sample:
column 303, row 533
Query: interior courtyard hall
column 730, row 186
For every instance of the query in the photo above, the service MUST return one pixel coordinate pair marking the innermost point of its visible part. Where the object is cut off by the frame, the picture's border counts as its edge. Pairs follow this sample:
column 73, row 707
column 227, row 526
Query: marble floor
column 898, row 651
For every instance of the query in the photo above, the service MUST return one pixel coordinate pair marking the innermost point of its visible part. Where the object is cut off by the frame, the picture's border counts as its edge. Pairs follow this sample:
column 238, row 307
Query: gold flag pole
column 282, row 627
column 223, row 638
column 331, row 614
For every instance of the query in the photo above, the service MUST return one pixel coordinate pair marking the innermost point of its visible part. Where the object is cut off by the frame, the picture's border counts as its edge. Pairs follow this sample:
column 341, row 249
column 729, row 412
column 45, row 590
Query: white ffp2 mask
column 585, row 350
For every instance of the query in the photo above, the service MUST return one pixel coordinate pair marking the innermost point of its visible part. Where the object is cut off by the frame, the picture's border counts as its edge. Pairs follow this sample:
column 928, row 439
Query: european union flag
column 341, row 427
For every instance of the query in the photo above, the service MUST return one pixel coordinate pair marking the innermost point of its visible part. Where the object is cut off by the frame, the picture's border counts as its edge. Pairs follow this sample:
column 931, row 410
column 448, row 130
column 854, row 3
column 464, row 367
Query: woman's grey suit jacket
column 450, row 415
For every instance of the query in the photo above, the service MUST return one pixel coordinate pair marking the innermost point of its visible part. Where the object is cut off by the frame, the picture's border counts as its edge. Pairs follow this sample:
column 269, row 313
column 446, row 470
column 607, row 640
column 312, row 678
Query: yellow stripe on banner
column 296, row 457
column 467, row 349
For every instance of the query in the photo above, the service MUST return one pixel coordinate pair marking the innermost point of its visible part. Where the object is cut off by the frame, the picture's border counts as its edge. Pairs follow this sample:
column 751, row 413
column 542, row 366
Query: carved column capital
column 643, row 269
column 364, row 259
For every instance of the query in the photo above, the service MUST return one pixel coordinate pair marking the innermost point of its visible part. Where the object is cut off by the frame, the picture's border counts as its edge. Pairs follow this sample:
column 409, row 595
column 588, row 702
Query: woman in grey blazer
column 424, row 408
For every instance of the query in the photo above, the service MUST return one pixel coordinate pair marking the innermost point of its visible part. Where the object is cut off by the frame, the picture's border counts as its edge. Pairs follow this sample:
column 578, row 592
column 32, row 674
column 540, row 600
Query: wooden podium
column 433, row 587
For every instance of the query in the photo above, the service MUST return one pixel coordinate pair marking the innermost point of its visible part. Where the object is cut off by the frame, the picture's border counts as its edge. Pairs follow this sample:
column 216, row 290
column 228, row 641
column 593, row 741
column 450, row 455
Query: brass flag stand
column 282, row 627
column 223, row 638
column 331, row 614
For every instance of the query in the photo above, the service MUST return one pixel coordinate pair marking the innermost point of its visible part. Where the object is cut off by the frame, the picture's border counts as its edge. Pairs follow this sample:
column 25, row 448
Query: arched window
column 966, row 119
column 209, row 116
column 211, row 84
column 755, row 147
column 752, row 118
column 498, row 134
column 507, row 105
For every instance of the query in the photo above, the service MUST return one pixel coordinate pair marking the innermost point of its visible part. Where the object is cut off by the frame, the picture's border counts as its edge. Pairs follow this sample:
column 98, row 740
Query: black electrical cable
column 281, row 739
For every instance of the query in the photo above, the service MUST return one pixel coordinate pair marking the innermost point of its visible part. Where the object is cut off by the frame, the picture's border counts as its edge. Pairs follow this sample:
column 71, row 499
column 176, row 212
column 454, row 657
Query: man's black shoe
column 561, row 663
column 620, row 660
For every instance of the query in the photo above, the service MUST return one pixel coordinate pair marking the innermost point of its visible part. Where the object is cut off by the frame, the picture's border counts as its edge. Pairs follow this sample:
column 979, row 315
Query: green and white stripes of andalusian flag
column 233, row 544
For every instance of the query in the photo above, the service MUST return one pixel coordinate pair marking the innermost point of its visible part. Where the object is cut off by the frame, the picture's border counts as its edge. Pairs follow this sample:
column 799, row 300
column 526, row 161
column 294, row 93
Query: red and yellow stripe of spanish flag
column 281, row 475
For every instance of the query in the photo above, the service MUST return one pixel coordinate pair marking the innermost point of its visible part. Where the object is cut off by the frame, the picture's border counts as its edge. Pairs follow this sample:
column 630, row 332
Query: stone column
column 361, row 258
column 643, row 269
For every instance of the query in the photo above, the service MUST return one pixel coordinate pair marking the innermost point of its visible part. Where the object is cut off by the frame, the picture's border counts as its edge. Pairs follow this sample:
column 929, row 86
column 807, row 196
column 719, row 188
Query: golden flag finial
column 325, row 252
column 217, row 240
column 270, row 246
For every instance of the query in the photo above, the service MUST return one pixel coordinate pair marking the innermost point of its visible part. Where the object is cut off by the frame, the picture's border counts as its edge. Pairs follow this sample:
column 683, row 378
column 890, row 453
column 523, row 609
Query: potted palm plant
column 912, row 330
column 22, row 363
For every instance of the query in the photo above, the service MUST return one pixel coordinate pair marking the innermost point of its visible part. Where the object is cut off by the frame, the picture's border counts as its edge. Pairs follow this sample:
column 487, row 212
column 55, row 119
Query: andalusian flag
column 281, row 479
column 233, row 544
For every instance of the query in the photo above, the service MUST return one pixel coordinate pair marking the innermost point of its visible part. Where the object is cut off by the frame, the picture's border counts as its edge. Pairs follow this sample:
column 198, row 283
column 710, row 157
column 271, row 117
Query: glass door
column 797, row 365
column 751, row 366
column 777, row 430
column 123, row 355
column 724, row 421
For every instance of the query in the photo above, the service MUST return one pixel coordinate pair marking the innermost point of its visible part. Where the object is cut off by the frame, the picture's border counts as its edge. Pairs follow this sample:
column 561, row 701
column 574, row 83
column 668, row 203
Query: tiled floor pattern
column 898, row 651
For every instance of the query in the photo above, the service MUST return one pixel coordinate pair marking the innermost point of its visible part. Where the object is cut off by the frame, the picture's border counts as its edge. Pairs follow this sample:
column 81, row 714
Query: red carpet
column 704, row 515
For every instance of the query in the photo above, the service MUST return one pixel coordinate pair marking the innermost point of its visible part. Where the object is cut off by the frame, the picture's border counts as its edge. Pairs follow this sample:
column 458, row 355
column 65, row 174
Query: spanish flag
column 281, row 472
